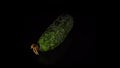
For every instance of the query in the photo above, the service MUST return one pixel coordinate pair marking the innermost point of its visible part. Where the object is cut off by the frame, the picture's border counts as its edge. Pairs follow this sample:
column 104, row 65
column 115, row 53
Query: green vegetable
column 56, row 33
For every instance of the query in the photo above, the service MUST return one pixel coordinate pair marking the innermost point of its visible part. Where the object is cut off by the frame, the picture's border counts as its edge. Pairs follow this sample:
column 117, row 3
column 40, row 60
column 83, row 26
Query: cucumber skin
column 56, row 33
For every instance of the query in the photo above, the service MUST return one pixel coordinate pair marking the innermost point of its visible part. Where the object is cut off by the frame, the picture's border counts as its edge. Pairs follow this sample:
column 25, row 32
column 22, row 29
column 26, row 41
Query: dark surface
column 78, row 48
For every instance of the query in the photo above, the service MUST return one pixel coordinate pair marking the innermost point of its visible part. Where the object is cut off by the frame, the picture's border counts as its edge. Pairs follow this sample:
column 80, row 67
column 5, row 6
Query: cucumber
column 56, row 33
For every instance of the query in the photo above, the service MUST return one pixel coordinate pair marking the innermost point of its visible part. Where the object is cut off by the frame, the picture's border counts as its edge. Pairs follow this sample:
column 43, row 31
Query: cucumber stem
column 35, row 48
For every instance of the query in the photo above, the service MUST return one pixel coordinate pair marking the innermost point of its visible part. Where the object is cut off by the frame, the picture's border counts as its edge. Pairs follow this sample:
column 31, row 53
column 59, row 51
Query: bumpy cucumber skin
column 56, row 33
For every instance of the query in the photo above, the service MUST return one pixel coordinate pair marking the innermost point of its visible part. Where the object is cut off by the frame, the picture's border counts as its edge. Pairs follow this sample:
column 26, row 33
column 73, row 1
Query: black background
column 78, row 48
